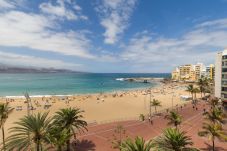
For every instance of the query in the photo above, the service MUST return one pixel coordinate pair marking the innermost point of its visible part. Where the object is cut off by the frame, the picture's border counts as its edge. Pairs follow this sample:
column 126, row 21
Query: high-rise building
column 189, row 72
column 199, row 70
column 210, row 71
column 218, row 74
column 221, row 76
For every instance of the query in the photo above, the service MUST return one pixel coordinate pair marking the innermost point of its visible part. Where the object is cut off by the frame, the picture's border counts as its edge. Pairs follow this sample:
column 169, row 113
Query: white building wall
column 218, row 74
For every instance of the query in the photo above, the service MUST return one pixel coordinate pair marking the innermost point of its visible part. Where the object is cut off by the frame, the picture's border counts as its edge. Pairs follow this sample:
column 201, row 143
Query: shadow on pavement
column 84, row 145
column 210, row 148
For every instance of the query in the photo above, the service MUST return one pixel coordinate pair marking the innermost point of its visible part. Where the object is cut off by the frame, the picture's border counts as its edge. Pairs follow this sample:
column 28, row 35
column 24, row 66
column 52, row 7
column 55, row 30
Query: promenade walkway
column 100, row 137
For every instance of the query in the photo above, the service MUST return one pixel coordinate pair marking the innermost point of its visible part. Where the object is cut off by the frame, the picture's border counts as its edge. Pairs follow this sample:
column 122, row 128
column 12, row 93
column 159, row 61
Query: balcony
column 223, row 92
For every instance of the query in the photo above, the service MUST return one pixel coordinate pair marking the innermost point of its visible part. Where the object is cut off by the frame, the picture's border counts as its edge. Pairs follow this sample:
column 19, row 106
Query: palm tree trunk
column 59, row 148
column 155, row 109
column 213, row 144
column 68, row 145
column 3, row 137
column 38, row 145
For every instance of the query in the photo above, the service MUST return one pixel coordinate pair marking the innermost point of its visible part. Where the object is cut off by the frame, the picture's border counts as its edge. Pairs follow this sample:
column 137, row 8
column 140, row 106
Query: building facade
column 221, row 76
column 210, row 71
column 218, row 74
column 188, row 72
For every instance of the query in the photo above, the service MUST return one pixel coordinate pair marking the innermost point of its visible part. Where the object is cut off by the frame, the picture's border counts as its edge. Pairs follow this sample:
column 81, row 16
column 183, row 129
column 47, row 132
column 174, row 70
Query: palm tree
column 216, row 115
column 195, row 91
column 36, row 126
column 174, row 118
column 190, row 88
column 70, row 119
column 58, row 137
column 203, row 83
column 5, row 110
column 138, row 144
column 213, row 101
column 119, row 134
column 213, row 131
column 155, row 103
column 173, row 140
column 201, row 90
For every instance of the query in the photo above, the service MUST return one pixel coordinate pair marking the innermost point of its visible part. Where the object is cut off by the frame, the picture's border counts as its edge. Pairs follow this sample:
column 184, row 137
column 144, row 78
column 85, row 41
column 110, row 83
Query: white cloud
column 34, row 31
column 6, row 4
column 200, row 44
column 31, row 61
column 60, row 10
column 114, row 15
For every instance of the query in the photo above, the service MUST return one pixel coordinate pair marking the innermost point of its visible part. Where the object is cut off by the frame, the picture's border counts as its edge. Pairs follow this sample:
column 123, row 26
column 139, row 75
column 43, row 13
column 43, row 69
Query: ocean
column 70, row 83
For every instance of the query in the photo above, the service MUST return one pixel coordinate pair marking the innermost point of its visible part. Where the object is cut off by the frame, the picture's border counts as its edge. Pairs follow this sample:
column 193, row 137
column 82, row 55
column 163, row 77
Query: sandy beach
column 102, row 108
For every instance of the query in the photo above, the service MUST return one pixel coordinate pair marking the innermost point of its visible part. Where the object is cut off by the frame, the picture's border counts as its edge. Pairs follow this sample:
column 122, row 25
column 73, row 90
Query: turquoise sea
column 69, row 83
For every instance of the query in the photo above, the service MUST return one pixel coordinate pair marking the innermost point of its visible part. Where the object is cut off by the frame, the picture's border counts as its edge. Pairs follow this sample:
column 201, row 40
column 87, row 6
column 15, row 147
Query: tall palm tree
column 58, row 137
column 36, row 126
column 201, row 90
column 155, row 103
column 5, row 110
column 173, row 140
column 138, row 144
column 213, row 131
column 215, row 115
column 203, row 84
column 174, row 118
column 195, row 91
column 71, row 120
column 190, row 88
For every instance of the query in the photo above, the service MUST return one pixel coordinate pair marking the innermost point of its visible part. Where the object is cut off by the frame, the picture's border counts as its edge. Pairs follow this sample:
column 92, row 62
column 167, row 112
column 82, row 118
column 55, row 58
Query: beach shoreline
column 153, row 85
column 102, row 107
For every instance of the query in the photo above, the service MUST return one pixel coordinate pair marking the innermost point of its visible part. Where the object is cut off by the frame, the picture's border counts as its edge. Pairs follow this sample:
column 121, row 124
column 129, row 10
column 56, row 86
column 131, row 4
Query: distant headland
column 26, row 69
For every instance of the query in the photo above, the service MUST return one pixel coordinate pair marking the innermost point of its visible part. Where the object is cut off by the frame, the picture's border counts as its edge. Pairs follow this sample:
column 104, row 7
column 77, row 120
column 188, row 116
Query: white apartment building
column 221, row 76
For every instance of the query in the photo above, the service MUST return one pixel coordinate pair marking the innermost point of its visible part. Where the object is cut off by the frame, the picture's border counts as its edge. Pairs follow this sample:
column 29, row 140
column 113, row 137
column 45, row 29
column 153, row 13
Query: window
column 224, row 57
column 224, row 88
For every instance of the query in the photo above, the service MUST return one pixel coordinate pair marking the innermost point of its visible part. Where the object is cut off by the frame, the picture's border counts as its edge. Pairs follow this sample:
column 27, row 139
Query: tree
column 71, row 120
column 213, row 101
column 36, row 126
column 5, row 110
column 138, row 144
column 203, row 84
column 58, row 137
column 195, row 91
column 173, row 140
column 174, row 118
column 213, row 131
column 216, row 115
column 190, row 88
column 155, row 103
column 119, row 134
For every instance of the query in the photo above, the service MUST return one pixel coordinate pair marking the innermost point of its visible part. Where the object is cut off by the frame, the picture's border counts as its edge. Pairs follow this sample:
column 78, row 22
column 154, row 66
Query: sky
column 112, row 36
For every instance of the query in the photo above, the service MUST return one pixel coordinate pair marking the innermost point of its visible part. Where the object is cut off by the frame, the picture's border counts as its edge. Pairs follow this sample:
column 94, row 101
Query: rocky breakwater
column 142, row 80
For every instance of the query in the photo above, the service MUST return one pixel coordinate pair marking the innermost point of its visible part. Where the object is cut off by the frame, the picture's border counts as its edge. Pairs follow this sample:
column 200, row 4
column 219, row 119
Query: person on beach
column 151, row 122
column 204, row 110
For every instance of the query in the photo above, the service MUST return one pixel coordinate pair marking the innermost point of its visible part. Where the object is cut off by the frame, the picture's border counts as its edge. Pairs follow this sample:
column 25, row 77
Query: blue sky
column 111, row 35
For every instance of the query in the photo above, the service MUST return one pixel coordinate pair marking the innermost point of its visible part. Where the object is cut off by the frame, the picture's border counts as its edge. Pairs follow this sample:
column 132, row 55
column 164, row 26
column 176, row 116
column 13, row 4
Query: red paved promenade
column 99, row 137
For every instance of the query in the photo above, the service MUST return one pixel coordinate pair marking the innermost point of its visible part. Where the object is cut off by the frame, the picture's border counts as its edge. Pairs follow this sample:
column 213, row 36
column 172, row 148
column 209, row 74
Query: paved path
column 99, row 137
